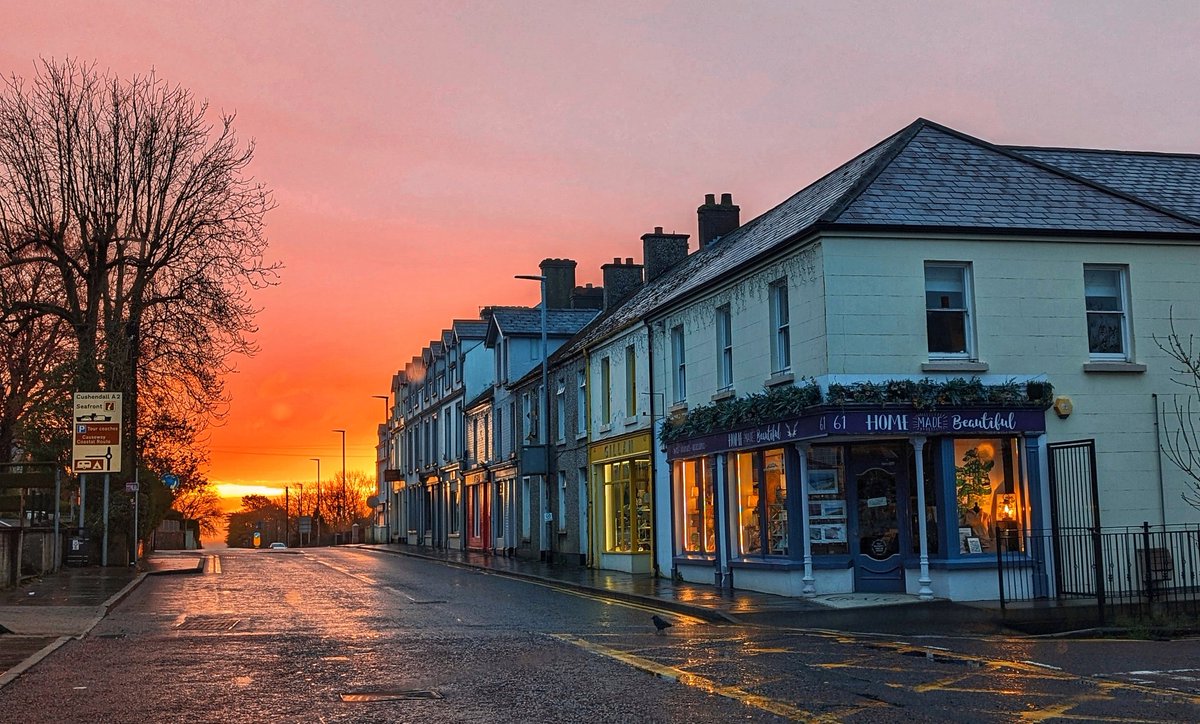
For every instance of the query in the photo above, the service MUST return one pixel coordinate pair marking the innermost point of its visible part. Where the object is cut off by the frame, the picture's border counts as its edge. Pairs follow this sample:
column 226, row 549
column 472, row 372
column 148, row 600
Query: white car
column 277, row 546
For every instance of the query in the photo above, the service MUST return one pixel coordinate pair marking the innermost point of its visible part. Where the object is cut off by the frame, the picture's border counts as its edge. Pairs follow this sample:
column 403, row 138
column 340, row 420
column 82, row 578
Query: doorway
column 879, row 483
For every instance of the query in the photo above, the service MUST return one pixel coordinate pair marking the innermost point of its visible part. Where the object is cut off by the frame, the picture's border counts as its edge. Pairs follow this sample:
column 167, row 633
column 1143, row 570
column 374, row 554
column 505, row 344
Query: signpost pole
column 104, row 545
column 57, row 515
column 82, row 501
column 137, row 499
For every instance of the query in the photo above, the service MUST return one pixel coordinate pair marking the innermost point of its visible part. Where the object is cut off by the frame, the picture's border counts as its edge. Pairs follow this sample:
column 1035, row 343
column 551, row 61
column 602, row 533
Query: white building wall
column 1030, row 322
column 624, row 421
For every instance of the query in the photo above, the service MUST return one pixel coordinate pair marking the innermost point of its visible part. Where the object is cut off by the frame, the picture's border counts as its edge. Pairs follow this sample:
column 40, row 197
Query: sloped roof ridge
column 899, row 141
column 1004, row 151
column 1112, row 151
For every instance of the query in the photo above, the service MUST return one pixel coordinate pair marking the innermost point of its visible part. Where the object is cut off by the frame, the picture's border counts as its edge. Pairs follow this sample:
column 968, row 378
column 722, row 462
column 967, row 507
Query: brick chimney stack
column 621, row 280
column 587, row 297
column 661, row 251
column 717, row 220
column 560, row 282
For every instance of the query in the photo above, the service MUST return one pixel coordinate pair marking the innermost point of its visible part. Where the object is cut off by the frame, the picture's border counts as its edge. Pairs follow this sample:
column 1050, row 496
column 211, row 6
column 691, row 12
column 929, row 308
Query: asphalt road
column 349, row 635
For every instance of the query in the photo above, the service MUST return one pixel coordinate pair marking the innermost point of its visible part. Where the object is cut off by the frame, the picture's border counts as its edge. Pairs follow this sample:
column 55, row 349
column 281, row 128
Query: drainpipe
column 593, row 539
column 654, row 459
column 1162, row 498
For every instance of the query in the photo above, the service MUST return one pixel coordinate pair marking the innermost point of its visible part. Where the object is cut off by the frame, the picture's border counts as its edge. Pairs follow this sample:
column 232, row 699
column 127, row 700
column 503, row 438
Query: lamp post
column 342, row 502
column 545, row 416
column 317, row 510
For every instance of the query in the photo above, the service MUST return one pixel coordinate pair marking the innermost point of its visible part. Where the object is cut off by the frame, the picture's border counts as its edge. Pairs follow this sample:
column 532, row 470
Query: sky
column 422, row 153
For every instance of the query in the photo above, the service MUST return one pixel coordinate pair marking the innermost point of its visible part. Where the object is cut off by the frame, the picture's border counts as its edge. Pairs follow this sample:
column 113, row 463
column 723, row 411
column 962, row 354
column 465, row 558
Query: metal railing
column 1127, row 573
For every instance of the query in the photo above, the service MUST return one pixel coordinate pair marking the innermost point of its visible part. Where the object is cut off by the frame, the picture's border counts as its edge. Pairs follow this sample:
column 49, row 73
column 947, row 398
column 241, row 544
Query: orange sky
column 423, row 153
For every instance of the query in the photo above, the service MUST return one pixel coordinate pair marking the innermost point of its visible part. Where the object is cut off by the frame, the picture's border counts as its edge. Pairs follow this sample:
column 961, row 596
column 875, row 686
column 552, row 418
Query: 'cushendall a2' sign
column 877, row 421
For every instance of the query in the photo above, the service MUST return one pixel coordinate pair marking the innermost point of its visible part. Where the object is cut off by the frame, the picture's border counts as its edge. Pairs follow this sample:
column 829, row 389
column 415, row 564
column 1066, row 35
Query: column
column 810, row 589
column 925, row 592
column 721, row 517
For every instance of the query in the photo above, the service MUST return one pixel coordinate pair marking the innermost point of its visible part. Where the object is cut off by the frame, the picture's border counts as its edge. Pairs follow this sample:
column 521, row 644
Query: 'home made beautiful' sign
column 879, row 421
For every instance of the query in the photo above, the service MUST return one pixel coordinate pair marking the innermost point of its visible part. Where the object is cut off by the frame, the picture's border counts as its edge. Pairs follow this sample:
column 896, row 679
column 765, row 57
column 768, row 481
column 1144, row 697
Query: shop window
column 947, row 310
column 991, row 497
column 931, row 517
column 454, row 512
column 694, row 482
column 1106, row 293
column 827, row 500
column 628, row 519
column 524, row 502
column 760, row 483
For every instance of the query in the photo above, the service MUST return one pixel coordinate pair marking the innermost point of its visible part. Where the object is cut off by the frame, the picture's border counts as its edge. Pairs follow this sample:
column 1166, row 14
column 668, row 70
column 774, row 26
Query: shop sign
column 878, row 421
column 625, row 447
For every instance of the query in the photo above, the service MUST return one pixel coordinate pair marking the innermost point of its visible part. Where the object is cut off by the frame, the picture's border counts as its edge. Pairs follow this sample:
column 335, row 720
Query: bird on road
column 660, row 623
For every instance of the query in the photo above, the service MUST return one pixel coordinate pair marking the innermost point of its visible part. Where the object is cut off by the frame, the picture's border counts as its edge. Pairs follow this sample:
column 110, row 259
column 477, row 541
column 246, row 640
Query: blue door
column 879, row 481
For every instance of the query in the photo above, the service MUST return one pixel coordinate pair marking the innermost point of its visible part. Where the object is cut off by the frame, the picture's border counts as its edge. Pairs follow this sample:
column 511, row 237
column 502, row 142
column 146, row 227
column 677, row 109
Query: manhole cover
column 394, row 695
column 208, row 623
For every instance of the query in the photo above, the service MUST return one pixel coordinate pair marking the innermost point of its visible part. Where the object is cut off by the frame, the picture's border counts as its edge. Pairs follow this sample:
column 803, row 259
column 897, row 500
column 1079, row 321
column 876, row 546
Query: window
column 628, row 518
column 562, row 500
column 524, row 502
column 1105, row 290
column 605, row 393
column 693, row 480
column 581, row 404
column 528, row 423
column 947, row 310
column 724, row 348
column 560, row 412
column 679, row 364
column 630, row 382
column 781, row 346
column 760, row 487
column 990, row 495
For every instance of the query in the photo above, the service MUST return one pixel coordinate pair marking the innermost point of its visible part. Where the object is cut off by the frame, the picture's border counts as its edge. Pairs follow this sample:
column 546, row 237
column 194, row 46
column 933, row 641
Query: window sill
column 724, row 395
column 950, row 365
column 631, row 421
column 605, row 428
column 780, row 378
column 679, row 408
column 1114, row 367
column 581, row 436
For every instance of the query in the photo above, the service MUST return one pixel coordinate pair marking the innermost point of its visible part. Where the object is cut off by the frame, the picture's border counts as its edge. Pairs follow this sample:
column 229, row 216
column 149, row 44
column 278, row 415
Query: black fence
column 1126, row 573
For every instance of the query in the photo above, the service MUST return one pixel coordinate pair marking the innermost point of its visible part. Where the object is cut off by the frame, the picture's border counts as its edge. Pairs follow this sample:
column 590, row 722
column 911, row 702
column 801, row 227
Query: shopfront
column 621, row 481
column 859, row 500
column 478, row 511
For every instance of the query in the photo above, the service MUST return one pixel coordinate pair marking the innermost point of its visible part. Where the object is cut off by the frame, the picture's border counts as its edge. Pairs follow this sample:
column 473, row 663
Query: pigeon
column 660, row 623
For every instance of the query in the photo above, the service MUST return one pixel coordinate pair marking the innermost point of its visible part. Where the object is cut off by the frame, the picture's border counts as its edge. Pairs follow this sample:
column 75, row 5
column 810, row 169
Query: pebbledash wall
column 790, row 509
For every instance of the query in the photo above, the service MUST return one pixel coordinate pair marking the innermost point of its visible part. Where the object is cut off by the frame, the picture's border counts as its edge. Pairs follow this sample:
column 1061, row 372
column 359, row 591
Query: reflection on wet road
column 347, row 635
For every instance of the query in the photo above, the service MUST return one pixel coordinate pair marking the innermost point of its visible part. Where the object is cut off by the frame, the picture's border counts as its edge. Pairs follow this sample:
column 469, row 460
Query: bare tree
column 200, row 503
column 140, row 209
column 1180, row 435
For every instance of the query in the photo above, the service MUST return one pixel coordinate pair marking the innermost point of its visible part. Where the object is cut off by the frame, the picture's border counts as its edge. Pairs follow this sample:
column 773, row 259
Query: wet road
column 348, row 635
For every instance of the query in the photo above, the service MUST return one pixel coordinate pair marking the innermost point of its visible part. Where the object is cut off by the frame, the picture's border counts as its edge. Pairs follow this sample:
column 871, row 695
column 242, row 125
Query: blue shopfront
column 860, row 500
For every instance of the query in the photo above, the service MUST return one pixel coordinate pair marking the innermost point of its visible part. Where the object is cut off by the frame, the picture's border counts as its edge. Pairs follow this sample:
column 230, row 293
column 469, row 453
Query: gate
column 1075, row 519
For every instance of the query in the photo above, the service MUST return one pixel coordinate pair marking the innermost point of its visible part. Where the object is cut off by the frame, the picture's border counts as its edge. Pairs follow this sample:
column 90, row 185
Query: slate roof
column 1169, row 180
column 528, row 320
column 926, row 177
column 470, row 328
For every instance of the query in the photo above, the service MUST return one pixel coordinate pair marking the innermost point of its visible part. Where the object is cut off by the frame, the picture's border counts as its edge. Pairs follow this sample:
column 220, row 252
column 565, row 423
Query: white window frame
column 560, row 411
column 1122, row 273
column 967, row 310
column 630, row 381
column 581, row 404
column 724, row 324
column 678, row 364
column 781, row 344
column 605, row 391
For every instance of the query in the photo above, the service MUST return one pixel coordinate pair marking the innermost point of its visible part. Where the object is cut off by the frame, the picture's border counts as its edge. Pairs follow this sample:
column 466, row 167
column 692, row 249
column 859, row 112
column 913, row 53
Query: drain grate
column 358, row 697
column 208, row 623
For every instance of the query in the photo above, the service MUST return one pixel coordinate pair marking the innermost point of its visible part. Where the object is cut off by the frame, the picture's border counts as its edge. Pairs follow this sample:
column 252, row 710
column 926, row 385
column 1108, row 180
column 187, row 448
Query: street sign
column 131, row 487
column 306, row 524
column 171, row 481
column 96, row 432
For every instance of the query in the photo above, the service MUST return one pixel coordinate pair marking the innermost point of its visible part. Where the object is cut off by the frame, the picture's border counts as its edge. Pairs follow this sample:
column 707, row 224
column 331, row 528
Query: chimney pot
column 616, row 260
column 710, row 199
column 629, row 261
column 726, row 199
column 717, row 220
column 658, row 230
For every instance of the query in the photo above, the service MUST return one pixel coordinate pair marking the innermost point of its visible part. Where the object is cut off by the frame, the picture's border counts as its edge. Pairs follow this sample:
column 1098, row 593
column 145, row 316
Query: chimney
column 560, row 282
column 717, row 220
column 662, row 251
column 587, row 297
column 621, row 280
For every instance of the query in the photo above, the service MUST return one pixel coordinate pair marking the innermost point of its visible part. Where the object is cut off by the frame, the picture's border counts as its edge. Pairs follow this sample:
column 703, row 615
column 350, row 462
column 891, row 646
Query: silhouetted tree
column 1180, row 436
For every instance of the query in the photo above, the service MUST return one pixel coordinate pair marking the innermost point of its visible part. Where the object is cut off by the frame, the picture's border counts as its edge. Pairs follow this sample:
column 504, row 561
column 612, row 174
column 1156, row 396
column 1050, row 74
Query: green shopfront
column 869, row 499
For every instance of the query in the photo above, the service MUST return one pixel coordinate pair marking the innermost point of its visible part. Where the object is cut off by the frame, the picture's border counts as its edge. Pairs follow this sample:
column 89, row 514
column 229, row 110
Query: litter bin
column 77, row 550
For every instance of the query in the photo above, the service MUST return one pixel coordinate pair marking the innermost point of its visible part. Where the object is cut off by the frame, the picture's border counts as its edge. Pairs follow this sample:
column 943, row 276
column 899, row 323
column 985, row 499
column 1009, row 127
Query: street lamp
column 342, row 503
column 317, row 510
column 545, row 416
column 386, row 399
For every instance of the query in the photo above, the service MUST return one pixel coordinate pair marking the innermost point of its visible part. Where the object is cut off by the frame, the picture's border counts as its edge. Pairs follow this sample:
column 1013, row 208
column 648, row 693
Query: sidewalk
column 885, row 613
column 38, row 617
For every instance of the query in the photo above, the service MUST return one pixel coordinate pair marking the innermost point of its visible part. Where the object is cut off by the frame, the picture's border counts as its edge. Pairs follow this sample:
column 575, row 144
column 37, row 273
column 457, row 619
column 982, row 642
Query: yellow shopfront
column 624, row 518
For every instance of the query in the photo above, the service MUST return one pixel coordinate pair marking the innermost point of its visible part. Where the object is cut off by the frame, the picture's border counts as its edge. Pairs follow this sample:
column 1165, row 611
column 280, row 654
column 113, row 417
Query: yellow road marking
column 612, row 602
column 709, row 686
column 214, row 564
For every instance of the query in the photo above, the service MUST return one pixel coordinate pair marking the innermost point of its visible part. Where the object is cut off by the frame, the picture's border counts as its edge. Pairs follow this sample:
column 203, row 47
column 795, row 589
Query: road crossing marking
column 670, row 673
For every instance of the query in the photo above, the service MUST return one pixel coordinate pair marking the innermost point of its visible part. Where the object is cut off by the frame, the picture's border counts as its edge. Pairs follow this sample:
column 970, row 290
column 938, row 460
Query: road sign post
column 96, row 432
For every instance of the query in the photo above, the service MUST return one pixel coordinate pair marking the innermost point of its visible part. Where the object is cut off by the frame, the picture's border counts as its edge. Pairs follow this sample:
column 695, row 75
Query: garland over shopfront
column 905, row 407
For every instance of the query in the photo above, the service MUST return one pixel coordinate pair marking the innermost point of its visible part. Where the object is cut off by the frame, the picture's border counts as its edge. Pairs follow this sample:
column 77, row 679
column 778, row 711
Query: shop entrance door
column 878, row 474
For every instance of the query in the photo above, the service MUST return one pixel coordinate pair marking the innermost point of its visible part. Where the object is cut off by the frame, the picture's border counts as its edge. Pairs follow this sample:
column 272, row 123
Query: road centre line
column 365, row 579
column 671, row 673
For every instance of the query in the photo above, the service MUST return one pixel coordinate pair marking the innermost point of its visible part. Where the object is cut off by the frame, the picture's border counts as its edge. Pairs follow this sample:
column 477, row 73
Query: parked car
column 277, row 546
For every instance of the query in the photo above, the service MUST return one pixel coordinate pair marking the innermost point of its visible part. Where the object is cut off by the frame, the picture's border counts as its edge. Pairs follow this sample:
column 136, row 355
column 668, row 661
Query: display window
column 694, row 483
column 990, row 495
column 759, row 481
column 629, row 519
column 827, row 500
